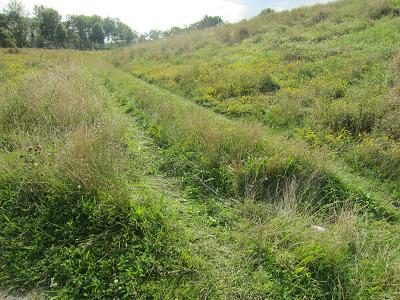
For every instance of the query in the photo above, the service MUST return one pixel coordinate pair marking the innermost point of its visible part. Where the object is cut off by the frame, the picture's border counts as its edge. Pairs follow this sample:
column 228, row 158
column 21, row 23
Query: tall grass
column 235, row 158
column 326, row 74
column 332, row 261
column 70, row 225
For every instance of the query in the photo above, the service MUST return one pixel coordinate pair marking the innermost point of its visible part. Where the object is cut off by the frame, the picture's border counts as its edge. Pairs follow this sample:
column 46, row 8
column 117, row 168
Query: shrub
column 390, row 123
column 267, row 85
column 7, row 40
column 380, row 9
column 377, row 155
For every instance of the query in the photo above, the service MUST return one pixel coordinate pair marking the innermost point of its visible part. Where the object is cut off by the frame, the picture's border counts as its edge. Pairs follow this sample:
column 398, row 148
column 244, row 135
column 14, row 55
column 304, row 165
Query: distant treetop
column 267, row 11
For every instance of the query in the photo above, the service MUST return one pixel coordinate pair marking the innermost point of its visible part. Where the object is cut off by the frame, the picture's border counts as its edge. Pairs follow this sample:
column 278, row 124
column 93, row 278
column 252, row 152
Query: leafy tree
column 78, row 27
column 267, row 11
column 97, row 34
column 109, row 26
column 46, row 21
column 206, row 22
column 131, row 36
column 3, row 21
column 6, row 38
column 155, row 34
column 173, row 31
column 61, row 35
column 123, row 34
column 18, row 22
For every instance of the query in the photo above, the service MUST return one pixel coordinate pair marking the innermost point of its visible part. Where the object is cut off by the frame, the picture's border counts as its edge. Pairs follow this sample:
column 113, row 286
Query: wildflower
column 53, row 283
column 319, row 228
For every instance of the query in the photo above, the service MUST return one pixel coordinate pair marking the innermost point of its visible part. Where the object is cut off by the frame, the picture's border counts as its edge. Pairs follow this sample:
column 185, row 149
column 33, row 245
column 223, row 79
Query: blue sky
column 163, row 14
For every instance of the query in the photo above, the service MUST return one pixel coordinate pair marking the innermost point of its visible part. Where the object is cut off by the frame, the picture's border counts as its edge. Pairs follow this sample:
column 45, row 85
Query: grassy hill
column 257, row 160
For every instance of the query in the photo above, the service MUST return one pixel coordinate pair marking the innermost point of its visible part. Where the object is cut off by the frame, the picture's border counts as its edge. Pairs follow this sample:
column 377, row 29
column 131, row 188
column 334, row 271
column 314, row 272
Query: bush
column 267, row 85
column 390, row 123
column 243, row 33
column 377, row 155
column 7, row 40
column 380, row 9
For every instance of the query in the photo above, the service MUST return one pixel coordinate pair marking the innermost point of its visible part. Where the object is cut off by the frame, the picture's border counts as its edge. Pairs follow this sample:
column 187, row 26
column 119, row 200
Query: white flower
column 53, row 284
column 319, row 228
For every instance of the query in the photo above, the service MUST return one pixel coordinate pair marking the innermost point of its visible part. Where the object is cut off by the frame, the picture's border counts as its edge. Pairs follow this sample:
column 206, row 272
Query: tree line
column 47, row 29
column 206, row 22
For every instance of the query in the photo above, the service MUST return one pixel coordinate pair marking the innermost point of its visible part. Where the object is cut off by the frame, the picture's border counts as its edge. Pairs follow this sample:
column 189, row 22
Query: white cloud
column 145, row 15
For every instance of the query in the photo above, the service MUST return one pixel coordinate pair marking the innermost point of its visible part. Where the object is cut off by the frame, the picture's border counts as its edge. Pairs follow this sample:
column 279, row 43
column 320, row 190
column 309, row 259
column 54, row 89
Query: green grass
column 69, row 221
column 208, row 154
column 325, row 74
column 242, row 159
column 201, row 166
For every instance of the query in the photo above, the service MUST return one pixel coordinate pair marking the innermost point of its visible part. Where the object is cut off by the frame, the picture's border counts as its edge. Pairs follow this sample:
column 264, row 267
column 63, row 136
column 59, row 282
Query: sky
column 145, row 15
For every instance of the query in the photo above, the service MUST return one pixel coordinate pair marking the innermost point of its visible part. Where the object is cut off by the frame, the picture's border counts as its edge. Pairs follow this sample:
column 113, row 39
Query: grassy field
column 328, row 75
column 257, row 160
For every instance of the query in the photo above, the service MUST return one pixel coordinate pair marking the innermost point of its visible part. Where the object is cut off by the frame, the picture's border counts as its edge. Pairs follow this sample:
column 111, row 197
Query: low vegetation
column 69, row 221
column 326, row 74
column 256, row 160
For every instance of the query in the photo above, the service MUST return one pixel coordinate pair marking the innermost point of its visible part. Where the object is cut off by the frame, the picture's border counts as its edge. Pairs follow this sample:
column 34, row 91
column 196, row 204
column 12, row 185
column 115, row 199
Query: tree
column 97, row 34
column 45, row 21
column 79, row 29
column 3, row 21
column 206, row 22
column 109, row 26
column 6, row 38
column 131, row 36
column 46, row 29
column 173, row 31
column 123, row 34
column 18, row 22
column 267, row 11
column 61, row 35
column 155, row 35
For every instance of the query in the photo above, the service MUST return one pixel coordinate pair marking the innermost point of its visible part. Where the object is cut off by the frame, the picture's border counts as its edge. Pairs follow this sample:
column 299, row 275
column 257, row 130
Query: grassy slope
column 114, row 187
column 326, row 74
column 276, row 258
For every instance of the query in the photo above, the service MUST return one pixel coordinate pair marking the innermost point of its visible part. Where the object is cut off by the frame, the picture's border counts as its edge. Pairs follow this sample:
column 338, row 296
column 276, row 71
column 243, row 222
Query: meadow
column 327, row 75
column 257, row 160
